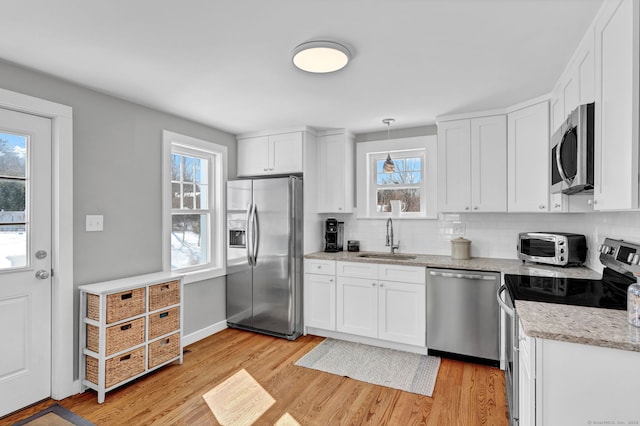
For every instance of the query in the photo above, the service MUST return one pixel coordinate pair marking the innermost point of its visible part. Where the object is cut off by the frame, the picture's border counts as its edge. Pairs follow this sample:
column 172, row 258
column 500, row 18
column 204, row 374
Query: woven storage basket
column 165, row 294
column 119, row 305
column 164, row 349
column 118, row 337
column 118, row 368
column 164, row 322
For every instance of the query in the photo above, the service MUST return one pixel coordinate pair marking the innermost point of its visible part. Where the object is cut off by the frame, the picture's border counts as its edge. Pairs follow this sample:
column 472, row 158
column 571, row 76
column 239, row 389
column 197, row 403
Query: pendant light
column 389, row 166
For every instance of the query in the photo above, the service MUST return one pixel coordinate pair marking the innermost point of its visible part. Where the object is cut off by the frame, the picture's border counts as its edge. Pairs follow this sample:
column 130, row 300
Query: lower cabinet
column 382, row 301
column 320, row 294
column 563, row 383
column 128, row 327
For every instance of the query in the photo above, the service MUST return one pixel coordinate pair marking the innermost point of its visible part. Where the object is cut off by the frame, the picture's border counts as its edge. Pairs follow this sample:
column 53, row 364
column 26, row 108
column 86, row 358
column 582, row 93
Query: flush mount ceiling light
column 320, row 56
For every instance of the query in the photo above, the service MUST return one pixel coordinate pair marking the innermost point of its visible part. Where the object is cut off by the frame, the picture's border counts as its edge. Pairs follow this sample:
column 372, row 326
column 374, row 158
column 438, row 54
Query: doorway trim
column 62, row 286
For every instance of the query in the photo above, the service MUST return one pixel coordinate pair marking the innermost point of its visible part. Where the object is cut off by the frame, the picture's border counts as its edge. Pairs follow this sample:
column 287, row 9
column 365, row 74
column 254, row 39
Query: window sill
column 201, row 275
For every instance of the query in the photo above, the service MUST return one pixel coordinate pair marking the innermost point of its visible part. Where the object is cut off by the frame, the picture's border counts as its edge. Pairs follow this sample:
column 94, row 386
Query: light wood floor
column 465, row 394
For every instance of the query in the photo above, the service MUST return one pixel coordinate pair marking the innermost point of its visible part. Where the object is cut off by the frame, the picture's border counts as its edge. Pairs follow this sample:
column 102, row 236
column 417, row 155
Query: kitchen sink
column 387, row 256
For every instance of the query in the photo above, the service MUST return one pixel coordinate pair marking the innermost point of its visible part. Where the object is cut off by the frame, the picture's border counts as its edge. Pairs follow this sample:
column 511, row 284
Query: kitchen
column 105, row 128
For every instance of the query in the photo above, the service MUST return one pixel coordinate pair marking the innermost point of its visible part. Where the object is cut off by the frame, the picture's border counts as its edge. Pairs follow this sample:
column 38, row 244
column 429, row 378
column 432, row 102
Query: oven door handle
column 503, row 305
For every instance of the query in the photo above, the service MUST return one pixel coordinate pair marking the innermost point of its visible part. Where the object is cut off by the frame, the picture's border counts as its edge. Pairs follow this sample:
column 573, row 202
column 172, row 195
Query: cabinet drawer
column 164, row 322
column 118, row 337
column 322, row 267
column 120, row 305
column 401, row 273
column 117, row 369
column 165, row 294
column 357, row 270
column 164, row 349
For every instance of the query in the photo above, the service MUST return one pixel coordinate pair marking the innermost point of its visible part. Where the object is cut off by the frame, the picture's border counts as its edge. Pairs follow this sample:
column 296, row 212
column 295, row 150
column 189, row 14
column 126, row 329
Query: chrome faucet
column 389, row 242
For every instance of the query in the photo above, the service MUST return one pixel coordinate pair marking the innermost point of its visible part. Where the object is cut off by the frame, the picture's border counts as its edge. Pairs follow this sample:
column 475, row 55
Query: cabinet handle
column 126, row 296
column 163, row 315
column 331, row 280
column 125, row 358
column 541, row 206
column 556, row 205
column 466, row 208
column 475, row 208
column 373, row 284
column 125, row 327
column 381, row 285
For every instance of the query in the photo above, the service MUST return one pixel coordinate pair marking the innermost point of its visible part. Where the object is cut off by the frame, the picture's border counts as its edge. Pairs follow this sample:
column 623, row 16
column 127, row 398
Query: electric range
column 620, row 259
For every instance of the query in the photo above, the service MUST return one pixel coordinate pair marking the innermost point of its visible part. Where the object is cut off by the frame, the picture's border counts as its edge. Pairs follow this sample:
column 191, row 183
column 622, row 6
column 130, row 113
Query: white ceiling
column 226, row 63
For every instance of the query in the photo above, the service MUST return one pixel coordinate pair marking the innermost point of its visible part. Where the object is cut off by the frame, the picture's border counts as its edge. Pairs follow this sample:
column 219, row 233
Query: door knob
column 42, row 274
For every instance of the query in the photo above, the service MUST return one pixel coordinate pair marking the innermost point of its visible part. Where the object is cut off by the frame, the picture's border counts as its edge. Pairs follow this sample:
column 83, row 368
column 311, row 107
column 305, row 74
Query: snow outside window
column 194, row 209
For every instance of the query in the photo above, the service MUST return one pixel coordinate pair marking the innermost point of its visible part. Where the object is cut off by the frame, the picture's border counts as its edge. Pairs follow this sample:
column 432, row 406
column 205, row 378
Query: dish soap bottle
column 633, row 303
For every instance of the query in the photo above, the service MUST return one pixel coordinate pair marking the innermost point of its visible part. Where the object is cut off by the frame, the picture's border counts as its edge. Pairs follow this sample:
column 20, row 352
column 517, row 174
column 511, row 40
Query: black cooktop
column 609, row 292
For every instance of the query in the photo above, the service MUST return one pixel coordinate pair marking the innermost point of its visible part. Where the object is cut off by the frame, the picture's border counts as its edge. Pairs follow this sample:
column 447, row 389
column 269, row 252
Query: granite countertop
column 507, row 266
column 579, row 324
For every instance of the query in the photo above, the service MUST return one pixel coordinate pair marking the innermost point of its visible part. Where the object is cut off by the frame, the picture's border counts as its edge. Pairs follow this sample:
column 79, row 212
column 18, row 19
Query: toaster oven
column 553, row 248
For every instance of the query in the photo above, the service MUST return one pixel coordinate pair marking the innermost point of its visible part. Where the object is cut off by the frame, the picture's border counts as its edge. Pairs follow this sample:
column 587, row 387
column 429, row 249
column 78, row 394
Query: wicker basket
column 164, row 322
column 118, row 337
column 119, row 305
column 164, row 349
column 117, row 369
column 165, row 294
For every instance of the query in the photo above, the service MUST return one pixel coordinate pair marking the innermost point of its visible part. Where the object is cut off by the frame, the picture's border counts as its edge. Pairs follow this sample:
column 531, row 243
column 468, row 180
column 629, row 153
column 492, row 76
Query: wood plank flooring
column 465, row 394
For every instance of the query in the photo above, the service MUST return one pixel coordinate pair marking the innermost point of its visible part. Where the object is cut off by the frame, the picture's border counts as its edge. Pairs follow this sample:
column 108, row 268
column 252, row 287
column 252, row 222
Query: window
column 193, row 201
column 405, row 183
column 413, row 182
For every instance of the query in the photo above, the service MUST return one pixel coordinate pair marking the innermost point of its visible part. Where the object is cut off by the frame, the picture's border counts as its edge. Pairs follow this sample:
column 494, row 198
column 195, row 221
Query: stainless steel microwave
column 553, row 248
column 572, row 153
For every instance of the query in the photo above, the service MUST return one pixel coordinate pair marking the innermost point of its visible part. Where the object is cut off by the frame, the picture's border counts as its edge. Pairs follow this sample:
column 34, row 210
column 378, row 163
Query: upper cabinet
column 270, row 154
column 577, row 84
column 472, row 160
column 528, row 158
column 616, row 106
column 336, row 172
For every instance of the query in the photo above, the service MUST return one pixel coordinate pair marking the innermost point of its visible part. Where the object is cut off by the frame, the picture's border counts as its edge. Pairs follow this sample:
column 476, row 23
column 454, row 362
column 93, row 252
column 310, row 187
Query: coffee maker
column 333, row 235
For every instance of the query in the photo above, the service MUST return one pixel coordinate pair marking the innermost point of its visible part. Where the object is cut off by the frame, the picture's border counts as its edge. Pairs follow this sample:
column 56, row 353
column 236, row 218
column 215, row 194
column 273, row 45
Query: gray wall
column 117, row 149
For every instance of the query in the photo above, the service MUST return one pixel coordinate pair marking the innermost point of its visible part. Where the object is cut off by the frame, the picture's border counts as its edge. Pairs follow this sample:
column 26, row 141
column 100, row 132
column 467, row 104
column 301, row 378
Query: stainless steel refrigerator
column 264, row 256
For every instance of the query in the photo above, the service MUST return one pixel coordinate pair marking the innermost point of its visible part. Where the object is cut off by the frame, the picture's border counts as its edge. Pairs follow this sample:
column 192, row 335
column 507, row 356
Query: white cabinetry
column 270, row 154
column 616, row 112
column 472, row 159
column 382, row 301
column 335, row 172
column 577, row 83
column 128, row 328
column 320, row 294
column 528, row 158
column 526, row 380
column 564, row 383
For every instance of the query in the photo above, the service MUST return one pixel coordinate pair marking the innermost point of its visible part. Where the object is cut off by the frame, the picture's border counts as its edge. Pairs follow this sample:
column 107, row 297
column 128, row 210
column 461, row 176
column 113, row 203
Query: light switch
column 94, row 223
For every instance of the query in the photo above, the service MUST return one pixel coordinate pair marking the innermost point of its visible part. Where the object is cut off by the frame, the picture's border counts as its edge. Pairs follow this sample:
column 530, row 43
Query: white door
column 25, row 259
column 357, row 306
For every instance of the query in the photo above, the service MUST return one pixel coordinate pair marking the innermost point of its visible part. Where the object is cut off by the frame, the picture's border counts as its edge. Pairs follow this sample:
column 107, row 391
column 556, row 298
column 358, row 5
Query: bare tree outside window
column 402, row 184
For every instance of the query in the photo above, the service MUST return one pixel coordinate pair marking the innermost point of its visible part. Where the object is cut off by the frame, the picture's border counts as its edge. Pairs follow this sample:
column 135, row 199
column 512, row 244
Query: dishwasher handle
column 503, row 305
column 462, row 276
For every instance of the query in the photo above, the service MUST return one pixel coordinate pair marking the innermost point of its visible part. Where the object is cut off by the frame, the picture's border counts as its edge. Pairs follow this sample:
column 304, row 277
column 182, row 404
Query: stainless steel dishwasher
column 463, row 316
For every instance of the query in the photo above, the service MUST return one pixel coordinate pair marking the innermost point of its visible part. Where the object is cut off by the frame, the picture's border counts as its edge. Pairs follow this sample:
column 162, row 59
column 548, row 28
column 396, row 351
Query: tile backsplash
column 491, row 234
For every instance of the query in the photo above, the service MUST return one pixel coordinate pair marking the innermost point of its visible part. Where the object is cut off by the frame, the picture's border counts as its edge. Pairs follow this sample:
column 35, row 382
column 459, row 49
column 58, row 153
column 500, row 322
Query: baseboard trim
column 366, row 340
column 202, row 333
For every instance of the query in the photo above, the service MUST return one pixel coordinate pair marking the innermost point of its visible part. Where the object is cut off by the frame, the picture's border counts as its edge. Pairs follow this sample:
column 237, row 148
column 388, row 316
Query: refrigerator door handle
column 249, row 235
column 256, row 234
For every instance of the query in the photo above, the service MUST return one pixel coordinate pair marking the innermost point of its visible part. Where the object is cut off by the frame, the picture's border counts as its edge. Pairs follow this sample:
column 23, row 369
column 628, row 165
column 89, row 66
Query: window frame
column 369, row 152
column 217, row 156
column 373, row 158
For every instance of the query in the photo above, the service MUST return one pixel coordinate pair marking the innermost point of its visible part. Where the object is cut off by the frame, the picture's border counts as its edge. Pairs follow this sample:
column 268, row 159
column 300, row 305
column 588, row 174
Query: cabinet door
column 489, row 164
column 253, row 156
column 285, row 153
column 320, row 301
column 402, row 312
column 616, row 107
column 528, row 159
column 357, row 306
column 454, row 166
column 335, row 174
